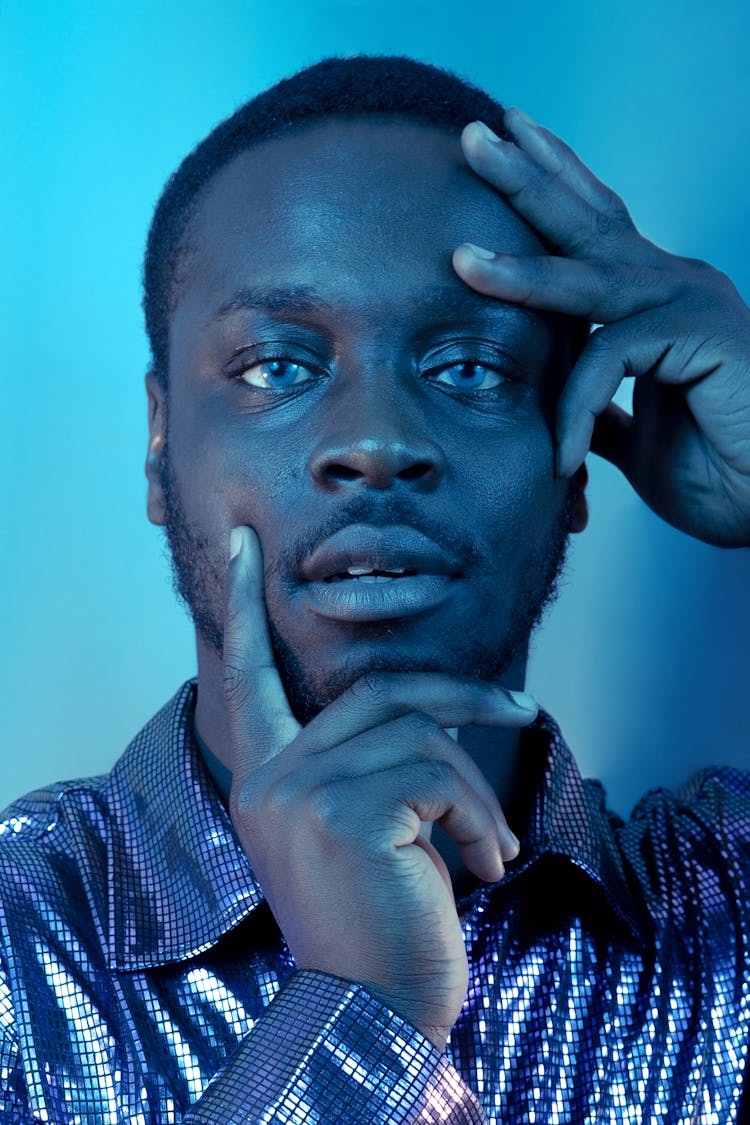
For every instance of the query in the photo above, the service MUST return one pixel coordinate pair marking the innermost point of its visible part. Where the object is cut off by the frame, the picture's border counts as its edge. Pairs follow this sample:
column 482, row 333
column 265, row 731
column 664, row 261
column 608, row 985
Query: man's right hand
column 329, row 814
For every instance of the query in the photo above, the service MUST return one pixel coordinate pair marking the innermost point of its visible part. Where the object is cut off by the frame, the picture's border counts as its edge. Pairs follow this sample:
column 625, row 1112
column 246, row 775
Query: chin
column 313, row 681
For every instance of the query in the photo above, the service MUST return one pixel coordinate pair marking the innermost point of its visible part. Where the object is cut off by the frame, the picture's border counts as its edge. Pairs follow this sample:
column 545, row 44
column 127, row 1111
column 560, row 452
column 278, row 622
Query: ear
column 155, row 505
column 581, row 511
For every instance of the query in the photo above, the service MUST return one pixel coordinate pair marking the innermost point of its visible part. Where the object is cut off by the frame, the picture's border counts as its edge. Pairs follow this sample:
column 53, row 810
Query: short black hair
column 392, row 84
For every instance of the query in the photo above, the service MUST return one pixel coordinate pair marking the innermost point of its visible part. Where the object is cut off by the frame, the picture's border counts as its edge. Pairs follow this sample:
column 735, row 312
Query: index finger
column 260, row 719
column 558, row 158
column 560, row 214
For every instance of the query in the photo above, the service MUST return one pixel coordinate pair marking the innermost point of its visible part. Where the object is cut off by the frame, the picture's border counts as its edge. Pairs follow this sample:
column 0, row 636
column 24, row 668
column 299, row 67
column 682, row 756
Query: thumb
column 260, row 720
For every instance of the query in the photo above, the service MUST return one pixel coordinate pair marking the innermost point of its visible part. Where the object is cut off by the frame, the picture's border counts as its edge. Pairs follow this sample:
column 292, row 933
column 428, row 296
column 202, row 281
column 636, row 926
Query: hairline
column 285, row 130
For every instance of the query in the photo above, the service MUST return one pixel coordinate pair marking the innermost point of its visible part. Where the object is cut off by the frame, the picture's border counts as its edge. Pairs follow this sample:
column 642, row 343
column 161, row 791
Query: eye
column 468, row 376
column 275, row 373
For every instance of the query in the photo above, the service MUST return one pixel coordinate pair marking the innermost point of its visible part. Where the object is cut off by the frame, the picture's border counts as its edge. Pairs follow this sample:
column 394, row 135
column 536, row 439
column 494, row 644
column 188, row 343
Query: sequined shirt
column 143, row 978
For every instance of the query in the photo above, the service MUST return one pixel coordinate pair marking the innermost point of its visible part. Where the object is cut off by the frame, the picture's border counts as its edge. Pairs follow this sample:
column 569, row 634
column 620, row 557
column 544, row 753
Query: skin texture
column 336, row 732
column 368, row 213
column 677, row 325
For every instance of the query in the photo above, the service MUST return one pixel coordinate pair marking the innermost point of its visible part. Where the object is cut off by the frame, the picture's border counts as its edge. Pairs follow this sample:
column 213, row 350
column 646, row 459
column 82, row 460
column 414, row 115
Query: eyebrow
column 446, row 300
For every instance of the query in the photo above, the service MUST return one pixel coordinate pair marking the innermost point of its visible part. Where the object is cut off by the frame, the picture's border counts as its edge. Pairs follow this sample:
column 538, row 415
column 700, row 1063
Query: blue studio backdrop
column 645, row 657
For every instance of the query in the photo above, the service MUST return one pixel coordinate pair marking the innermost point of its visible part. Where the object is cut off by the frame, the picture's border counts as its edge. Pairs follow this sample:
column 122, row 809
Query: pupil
column 279, row 370
column 469, row 372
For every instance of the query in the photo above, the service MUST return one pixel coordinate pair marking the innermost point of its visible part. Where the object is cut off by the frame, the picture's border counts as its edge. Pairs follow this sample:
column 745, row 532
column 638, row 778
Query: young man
column 350, row 872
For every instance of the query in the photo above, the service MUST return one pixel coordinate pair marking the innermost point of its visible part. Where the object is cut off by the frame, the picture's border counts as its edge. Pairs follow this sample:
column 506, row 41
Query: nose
column 374, row 438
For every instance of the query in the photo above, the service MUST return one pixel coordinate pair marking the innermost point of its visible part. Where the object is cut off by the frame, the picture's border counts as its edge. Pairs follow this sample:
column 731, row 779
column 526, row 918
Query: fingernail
column 487, row 133
column 523, row 699
column 514, row 842
column 235, row 541
column 480, row 252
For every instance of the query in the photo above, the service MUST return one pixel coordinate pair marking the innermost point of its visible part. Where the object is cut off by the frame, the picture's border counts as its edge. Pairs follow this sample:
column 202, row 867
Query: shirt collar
column 563, row 814
column 177, row 874
column 179, row 879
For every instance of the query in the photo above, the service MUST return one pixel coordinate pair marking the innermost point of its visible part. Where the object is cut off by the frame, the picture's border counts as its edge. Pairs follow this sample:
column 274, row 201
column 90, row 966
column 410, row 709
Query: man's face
column 328, row 367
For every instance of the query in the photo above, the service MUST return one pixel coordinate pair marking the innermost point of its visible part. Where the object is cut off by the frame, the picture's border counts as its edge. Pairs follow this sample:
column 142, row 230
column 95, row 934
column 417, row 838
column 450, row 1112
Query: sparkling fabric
column 143, row 978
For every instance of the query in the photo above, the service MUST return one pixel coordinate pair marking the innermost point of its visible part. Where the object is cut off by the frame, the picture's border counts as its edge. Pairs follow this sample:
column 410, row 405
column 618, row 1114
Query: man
column 350, row 872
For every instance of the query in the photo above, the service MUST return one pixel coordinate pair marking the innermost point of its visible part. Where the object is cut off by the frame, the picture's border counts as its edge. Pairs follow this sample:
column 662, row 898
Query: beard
column 198, row 583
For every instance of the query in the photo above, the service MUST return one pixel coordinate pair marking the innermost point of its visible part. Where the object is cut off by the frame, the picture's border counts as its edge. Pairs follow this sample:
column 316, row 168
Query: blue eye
column 271, row 373
column 470, row 376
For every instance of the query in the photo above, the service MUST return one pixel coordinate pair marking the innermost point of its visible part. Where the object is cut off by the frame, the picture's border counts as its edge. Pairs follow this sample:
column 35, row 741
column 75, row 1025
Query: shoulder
column 45, row 813
column 689, row 849
column 49, row 836
column 713, row 805
column 54, row 875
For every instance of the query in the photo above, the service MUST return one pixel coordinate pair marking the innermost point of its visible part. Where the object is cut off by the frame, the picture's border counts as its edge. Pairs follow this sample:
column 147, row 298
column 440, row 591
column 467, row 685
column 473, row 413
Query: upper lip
column 378, row 548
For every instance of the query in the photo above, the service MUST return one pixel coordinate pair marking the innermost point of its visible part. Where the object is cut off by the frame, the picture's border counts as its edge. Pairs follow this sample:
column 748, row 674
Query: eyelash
column 280, row 358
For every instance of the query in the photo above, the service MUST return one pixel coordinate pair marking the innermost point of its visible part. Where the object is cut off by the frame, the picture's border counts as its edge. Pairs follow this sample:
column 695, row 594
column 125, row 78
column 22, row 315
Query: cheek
column 229, row 471
column 228, row 467
column 513, row 481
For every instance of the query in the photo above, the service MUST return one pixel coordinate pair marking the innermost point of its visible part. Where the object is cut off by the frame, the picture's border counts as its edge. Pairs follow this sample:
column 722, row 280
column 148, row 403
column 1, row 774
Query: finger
column 611, row 353
column 451, row 701
column 598, row 291
column 261, row 722
column 404, row 796
column 563, row 164
column 424, row 843
column 559, row 213
column 413, row 737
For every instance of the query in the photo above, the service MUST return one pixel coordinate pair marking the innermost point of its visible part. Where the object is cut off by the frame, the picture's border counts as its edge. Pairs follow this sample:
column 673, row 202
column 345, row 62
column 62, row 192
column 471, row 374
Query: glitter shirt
column 143, row 977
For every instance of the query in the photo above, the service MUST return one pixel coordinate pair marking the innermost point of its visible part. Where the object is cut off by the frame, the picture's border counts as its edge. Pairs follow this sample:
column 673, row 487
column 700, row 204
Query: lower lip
column 350, row 600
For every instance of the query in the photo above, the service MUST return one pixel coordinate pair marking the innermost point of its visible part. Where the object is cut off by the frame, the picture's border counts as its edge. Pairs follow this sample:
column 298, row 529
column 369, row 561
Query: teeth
column 358, row 571
column 366, row 574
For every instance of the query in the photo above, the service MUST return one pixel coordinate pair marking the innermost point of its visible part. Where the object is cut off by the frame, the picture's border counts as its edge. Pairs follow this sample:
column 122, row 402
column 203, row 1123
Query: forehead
column 345, row 205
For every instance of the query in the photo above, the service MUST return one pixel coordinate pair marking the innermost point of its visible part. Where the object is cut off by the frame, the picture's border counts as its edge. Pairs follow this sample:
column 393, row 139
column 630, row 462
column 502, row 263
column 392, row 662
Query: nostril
column 376, row 464
column 414, row 472
column 343, row 472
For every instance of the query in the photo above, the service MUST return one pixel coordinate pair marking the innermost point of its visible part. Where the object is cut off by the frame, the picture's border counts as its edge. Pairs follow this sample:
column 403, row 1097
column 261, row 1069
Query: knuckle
column 617, row 209
column 280, row 798
column 600, row 227
column 324, row 806
column 443, row 774
column 606, row 227
column 641, row 277
column 620, row 283
column 371, row 689
column 237, row 686
column 425, row 727
column 242, row 801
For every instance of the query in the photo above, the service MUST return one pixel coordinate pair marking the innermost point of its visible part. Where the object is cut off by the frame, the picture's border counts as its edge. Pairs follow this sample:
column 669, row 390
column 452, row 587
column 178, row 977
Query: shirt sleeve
column 327, row 1052
column 14, row 1103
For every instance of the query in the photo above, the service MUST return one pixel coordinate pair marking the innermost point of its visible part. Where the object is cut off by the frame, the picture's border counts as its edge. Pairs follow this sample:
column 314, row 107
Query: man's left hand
column 677, row 324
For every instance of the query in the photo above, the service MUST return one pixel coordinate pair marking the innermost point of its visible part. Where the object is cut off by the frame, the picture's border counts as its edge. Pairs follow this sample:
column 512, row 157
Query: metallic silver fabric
column 143, row 978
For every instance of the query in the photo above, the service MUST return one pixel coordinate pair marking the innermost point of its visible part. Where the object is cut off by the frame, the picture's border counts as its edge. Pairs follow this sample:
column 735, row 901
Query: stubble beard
column 197, row 579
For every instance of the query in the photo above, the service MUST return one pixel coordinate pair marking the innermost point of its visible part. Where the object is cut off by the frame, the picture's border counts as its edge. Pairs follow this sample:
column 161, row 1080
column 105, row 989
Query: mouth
column 376, row 597
column 370, row 573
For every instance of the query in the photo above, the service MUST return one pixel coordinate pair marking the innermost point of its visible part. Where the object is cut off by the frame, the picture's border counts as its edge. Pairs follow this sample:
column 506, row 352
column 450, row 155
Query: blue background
column 644, row 660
